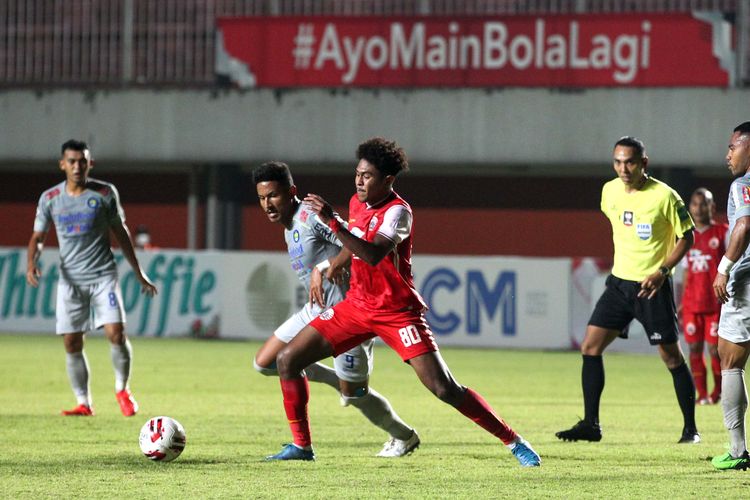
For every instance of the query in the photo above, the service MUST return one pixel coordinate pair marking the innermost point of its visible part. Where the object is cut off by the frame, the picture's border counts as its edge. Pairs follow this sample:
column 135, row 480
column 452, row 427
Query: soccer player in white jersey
column 312, row 250
column 732, row 288
column 85, row 211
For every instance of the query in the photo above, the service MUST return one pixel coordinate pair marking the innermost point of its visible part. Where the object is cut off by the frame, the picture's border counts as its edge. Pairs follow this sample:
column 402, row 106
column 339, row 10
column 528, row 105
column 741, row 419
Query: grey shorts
column 734, row 322
column 354, row 365
column 75, row 303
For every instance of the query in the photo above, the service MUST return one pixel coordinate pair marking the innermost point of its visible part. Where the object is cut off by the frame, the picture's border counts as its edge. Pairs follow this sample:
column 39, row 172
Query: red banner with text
column 548, row 51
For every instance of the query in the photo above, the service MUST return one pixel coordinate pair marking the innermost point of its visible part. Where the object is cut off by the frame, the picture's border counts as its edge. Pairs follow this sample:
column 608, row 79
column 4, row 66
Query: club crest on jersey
column 746, row 194
column 92, row 202
column 303, row 215
column 326, row 315
column 643, row 231
column 713, row 242
column 627, row 218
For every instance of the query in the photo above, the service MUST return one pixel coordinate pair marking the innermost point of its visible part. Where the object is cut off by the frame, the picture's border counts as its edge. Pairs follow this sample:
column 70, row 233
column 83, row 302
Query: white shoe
column 398, row 448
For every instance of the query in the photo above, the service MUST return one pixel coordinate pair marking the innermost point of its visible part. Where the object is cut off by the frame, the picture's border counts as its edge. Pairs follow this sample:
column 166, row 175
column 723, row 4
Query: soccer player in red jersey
column 700, row 308
column 381, row 301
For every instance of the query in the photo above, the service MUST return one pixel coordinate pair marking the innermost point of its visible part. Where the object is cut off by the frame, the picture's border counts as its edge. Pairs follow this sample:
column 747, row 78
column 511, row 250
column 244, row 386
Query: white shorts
column 354, row 365
column 734, row 322
column 75, row 304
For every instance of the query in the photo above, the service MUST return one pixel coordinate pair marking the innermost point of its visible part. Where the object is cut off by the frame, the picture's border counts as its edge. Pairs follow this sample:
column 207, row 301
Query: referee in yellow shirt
column 652, row 231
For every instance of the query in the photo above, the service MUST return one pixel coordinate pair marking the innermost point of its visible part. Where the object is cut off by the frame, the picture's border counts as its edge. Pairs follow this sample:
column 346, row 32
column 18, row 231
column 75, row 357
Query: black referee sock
column 685, row 390
column 592, row 382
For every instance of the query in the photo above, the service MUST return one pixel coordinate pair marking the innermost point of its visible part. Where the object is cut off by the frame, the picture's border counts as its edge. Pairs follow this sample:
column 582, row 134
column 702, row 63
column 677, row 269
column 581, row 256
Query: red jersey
column 388, row 286
column 702, row 261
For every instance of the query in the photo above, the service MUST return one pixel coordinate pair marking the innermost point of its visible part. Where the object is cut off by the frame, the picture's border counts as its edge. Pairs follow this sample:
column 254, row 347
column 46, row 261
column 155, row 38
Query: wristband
column 335, row 225
column 664, row 270
column 725, row 266
column 322, row 266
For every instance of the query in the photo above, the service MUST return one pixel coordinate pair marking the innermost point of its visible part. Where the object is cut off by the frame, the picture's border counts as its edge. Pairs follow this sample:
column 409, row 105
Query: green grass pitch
column 233, row 417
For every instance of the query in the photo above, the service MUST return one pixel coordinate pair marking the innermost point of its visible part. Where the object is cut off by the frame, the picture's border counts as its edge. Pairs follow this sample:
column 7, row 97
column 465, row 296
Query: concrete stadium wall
column 491, row 129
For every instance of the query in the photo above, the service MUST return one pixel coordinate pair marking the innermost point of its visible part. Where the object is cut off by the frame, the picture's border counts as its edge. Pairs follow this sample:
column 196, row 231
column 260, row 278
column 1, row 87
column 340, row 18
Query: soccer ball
column 162, row 439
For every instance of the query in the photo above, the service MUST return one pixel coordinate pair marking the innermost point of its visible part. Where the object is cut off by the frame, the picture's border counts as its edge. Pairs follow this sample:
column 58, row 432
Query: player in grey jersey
column 84, row 212
column 732, row 288
column 313, row 249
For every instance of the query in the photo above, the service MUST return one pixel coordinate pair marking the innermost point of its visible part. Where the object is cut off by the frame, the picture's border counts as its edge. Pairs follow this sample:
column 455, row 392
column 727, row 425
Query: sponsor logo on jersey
column 92, row 202
column 713, row 242
column 698, row 261
column 53, row 193
column 295, row 236
column 746, row 194
column 103, row 190
column 296, row 251
column 627, row 218
column 643, row 231
column 373, row 223
column 326, row 315
column 303, row 215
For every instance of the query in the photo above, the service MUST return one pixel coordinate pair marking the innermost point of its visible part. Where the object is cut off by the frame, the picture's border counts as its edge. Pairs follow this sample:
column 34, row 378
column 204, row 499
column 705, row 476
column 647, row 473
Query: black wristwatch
column 664, row 270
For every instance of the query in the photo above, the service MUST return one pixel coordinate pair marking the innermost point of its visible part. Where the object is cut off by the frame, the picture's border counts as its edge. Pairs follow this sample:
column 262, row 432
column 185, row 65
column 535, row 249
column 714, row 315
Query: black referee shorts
column 619, row 305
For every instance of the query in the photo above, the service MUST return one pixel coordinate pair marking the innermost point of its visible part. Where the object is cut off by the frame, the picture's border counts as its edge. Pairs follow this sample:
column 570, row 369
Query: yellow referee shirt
column 645, row 224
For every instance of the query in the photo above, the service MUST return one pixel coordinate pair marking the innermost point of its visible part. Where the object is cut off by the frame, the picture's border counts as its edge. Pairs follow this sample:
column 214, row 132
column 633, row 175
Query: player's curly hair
column 387, row 156
column 273, row 171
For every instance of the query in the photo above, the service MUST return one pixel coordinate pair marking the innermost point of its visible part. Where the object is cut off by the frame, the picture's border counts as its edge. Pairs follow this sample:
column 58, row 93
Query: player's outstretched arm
column 372, row 253
column 122, row 235
column 33, row 253
column 653, row 282
column 738, row 242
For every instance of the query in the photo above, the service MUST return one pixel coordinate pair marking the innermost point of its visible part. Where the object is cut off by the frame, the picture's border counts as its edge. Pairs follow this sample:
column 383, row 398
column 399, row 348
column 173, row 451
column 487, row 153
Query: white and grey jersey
column 310, row 242
column 738, row 206
column 82, row 224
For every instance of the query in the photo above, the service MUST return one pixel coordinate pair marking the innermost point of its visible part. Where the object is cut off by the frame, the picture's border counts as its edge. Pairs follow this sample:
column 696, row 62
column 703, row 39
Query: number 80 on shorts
column 409, row 335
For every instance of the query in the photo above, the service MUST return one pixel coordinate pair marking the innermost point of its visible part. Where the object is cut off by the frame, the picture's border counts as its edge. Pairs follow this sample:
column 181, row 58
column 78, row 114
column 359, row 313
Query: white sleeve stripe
column 396, row 224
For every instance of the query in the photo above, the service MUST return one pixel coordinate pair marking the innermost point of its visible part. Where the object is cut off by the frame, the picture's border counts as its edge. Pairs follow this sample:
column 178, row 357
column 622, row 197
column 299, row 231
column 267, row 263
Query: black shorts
column 619, row 305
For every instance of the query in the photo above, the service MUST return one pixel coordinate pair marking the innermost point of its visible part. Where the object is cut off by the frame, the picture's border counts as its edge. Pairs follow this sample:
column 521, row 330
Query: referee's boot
column 582, row 431
column 689, row 436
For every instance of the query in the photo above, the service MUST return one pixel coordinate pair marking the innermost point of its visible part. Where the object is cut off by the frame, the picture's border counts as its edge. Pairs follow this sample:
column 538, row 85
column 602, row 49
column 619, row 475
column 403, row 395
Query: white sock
column 78, row 374
column 378, row 410
column 734, row 404
column 318, row 372
column 121, row 358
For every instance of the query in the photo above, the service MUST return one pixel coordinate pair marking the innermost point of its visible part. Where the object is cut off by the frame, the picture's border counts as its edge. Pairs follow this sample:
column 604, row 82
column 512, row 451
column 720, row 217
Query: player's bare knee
column 353, row 389
column 73, row 343
column 115, row 333
column 354, row 395
column 286, row 363
column 448, row 392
